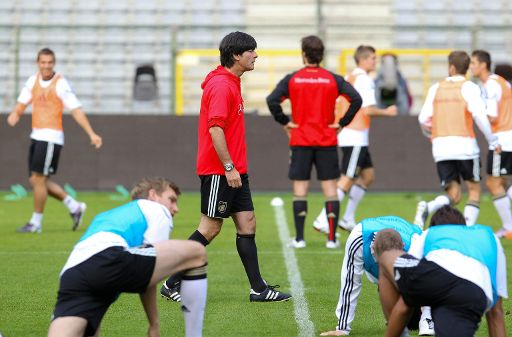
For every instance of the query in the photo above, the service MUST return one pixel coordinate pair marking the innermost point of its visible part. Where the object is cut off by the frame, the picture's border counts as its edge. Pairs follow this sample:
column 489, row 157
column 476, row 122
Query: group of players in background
column 136, row 233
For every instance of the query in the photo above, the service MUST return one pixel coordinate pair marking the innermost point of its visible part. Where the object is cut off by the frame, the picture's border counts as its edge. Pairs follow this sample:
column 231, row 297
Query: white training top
column 466, row 267
column 365, row 86
column 491, row 93
column 457, row 147
column 64, row 92
column 159, row 227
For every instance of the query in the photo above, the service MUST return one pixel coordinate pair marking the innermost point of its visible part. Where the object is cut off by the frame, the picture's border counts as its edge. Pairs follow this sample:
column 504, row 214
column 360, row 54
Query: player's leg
column 365, row 178
column 326, row 163
column 188, row 257
column 352, row 271
column 496, row 183
column 300, row 211
column 470, row 172
column 38, row 183
column 76, row 209
column 449, row 178
column 67, row 327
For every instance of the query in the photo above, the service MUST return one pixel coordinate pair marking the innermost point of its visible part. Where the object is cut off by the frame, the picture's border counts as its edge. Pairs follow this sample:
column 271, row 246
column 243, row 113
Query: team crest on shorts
column 223, row 206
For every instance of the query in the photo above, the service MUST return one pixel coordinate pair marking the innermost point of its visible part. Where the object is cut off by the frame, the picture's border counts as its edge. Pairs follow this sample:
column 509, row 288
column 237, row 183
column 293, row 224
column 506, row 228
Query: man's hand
column 288, row 128
column 336, row 126
column 154, row 330
column 391, row 110
column 334, row 333
column 96, row 140
column 233, row 178
column 13, row 119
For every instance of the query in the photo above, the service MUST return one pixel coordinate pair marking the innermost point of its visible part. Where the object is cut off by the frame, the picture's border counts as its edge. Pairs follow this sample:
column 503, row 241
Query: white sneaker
column 297, row 244
column 332, row 244
column 347, row 225
column 421, row 214
column 321, row 226
column 426, row 327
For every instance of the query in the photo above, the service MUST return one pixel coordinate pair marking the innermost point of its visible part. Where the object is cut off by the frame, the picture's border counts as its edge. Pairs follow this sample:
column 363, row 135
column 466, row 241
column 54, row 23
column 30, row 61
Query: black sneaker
column 78, row 215
column 269, row 295
column 172, row 293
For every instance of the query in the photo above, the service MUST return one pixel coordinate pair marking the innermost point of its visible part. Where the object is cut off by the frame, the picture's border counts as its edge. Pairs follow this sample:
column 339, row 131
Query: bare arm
column 148, row 300
column 219, row 143
column 496, row 320
column 83, row 121
column 373, row 111
column 14, row 116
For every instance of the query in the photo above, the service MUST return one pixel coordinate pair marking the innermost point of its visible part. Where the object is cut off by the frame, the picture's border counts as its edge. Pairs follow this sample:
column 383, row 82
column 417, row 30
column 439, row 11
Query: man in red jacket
column 222, row 164
column 312, row 130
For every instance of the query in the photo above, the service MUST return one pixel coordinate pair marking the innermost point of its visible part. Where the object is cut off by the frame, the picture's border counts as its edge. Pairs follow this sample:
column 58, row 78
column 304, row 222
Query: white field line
column 302, row 317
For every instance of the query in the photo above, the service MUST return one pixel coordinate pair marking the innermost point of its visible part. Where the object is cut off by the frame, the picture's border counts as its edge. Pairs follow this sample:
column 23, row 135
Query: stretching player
column 498, row 97
column 357, row 172
column 359, row 258
column 447, row 117
column 461, row 274
column 127, row 249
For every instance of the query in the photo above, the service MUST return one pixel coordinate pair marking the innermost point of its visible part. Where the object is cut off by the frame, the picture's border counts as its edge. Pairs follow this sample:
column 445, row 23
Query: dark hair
column 387, row 239
column 46, row 51
column 141, row 188
column 460, row 60
column 363, row 52
column 313, row 49
column 235, row 43
column 483, row 56
column 504, row 70
column 447, row 215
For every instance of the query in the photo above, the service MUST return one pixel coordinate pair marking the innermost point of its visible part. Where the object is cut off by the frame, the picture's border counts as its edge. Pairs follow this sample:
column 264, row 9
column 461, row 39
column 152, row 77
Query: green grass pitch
column 30, row 266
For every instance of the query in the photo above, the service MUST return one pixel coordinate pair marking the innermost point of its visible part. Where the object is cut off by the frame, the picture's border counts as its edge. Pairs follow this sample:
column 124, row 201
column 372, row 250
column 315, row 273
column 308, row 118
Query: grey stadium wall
column 137, row 146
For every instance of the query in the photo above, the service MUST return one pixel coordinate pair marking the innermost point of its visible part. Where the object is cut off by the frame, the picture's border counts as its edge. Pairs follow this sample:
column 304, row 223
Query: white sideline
column 300, row 304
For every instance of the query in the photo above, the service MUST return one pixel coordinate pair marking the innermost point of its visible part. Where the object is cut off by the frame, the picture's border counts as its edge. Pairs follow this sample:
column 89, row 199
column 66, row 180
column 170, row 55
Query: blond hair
column 142, row 188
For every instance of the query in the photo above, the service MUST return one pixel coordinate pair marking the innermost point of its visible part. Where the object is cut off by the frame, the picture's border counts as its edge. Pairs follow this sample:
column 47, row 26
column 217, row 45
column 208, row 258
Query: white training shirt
column 365, row 86
column 466, row 267
column 457, row 147
column 160, row 225
column 64, row 92
column 491, row 93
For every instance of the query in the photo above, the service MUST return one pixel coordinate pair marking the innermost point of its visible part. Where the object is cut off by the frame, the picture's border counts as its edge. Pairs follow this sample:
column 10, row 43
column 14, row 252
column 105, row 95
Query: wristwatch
column 229, row 167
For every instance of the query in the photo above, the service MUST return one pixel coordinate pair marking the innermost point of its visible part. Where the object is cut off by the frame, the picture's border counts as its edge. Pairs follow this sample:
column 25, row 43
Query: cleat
column 421, row 214
column 347, row 225
column 29, row 228
column 78, row 215
column 503, row 233
column 269, row 295
column 172, row 293
column 332, row 244
column 297, row 244
column 321, row 226
column 426, row 327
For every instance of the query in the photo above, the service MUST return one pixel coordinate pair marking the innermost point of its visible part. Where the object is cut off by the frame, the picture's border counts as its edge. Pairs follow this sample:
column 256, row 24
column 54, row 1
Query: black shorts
column 499, row 164
column 218, row 200
column 302, row 159
column 453, row 170
column 355, row 159
column 43, row 157
column 457, row 304
column 88, row 289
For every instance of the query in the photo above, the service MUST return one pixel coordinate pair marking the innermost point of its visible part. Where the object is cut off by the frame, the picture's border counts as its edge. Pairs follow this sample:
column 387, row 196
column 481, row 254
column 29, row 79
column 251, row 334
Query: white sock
column 425, row 313
column 341, row 194
column 355, row 195
column 509, row 191
column 71, row 204
column 437, row 203
column 502, row 205
column 36, row 219
column 471, row 211
column 193, row 302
